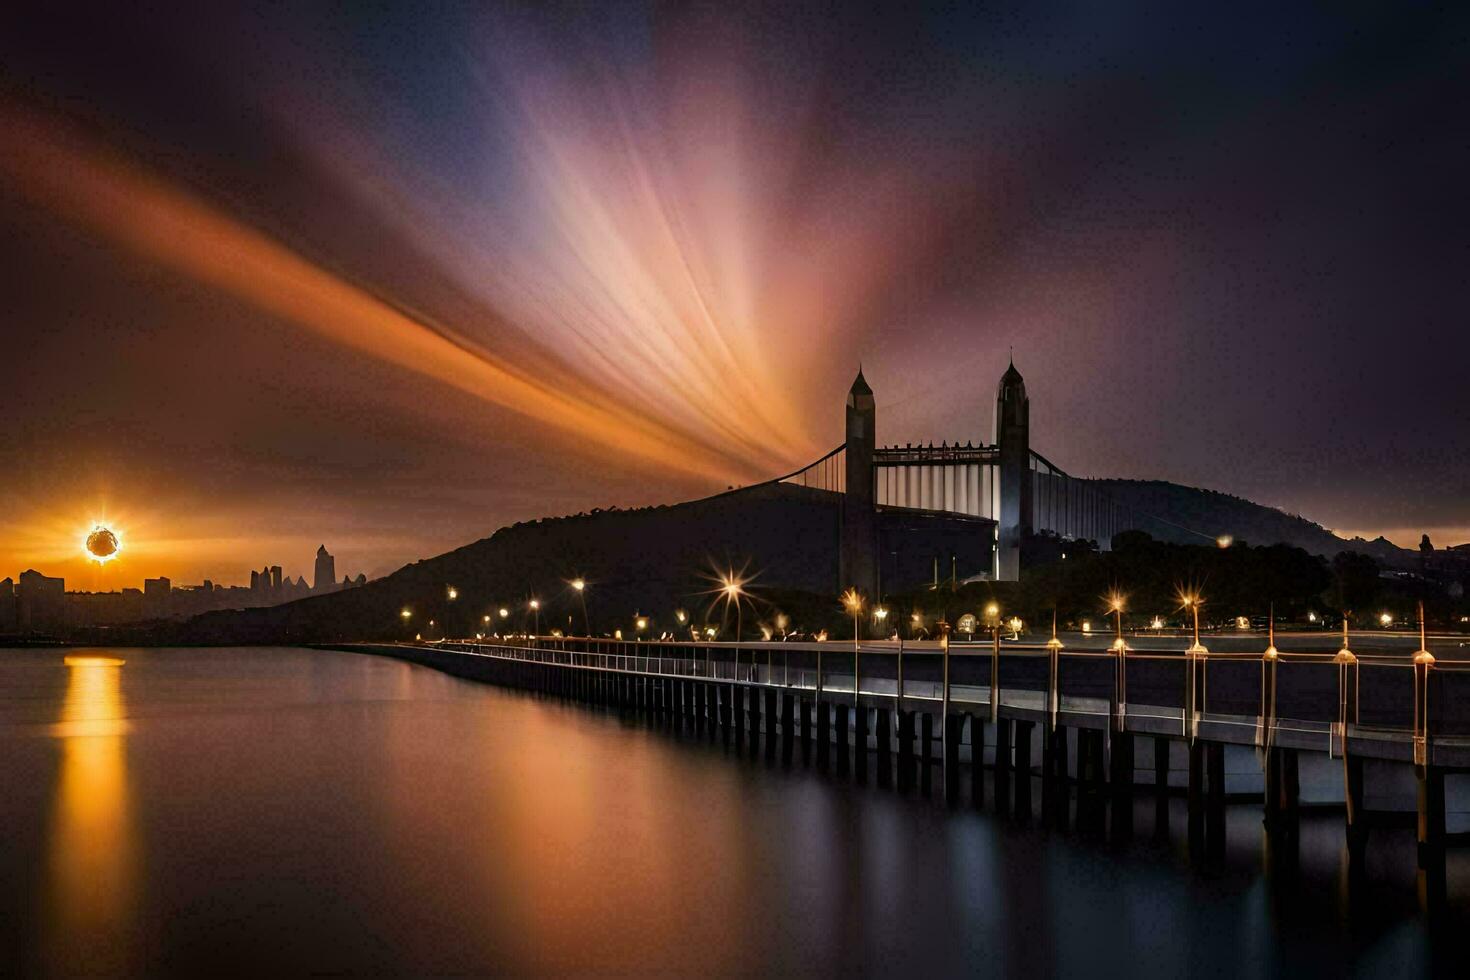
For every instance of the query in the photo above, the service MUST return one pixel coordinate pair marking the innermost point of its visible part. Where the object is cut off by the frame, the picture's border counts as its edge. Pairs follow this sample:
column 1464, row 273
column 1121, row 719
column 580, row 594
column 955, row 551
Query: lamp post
column 733, row 592
column 992, row 614
column 1120, row 650
column 536, row 610
column 1192, row 601
column 854, row 603
column 580, row 587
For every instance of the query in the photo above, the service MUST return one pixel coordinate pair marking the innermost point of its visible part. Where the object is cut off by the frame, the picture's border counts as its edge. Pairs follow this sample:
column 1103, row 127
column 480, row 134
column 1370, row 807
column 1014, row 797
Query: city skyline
column 705, row 273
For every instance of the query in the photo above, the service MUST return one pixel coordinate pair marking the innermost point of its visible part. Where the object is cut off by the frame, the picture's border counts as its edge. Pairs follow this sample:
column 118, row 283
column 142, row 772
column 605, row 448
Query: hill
column 1188, row 515
column 653, row 560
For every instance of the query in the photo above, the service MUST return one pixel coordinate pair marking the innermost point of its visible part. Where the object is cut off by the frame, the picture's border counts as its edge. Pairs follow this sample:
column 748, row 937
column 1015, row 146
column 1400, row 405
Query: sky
column 389, row 277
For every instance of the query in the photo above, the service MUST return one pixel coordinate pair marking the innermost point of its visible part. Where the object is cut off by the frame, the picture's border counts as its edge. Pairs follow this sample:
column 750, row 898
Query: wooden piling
column 824, row 734
column 1196, row 791
column 954, row 727
column 926, row 753
column 1023, row 769
column 905, row 751
column 788, row 726
column 770, row 716
column 1431, row 815
column 883, row 743
column 1002, row 763
column 977, row 759
column 1356, row 821
column 840, row 743
column 1215, row 809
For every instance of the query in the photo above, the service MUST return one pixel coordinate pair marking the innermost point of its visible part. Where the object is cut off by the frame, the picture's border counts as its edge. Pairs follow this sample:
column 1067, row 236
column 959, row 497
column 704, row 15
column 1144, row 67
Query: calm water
column 286, row 810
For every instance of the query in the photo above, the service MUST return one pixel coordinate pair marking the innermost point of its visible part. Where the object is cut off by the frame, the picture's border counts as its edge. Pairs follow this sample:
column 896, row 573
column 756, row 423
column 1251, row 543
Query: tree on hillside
column 1356, row 579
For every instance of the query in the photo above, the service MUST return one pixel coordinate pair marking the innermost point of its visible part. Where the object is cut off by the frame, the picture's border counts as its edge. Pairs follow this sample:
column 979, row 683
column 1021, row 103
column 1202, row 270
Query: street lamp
column 453, row 593
column 731, row 587
column 1115, row 606
column 535, row 605
column 854, row 603
column 580, row 587
column 1192, row 601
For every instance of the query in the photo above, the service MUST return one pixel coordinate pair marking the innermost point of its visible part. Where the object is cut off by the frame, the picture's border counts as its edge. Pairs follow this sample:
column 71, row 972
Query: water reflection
column 91, row 859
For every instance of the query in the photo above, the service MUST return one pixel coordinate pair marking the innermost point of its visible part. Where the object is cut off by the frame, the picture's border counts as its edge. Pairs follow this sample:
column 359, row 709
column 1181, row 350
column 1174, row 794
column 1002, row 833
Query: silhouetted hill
column 657, row 560
column 1175, row 511
column 652, row 560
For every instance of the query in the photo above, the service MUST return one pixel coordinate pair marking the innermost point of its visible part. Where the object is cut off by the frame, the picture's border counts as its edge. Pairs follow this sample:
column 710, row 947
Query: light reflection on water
column 284, row 810
column 91, row 848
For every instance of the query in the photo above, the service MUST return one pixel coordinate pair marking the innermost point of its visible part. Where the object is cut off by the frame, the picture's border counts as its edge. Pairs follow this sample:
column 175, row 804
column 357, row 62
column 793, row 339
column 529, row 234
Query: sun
column 101, row 544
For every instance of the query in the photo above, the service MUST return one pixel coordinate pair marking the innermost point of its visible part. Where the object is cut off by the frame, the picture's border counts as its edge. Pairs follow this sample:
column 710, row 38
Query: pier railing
column 1389, row 706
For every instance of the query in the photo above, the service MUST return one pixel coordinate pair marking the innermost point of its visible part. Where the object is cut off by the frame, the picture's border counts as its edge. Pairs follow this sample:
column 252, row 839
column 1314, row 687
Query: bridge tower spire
column 858, row 552
column 1013, row 440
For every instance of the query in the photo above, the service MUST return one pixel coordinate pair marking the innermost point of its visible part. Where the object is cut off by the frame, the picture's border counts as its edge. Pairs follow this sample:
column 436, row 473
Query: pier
column 1096, row 726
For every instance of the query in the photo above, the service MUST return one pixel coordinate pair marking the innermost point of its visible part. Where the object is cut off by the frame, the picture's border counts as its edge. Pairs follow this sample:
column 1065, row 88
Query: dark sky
column 391, row 278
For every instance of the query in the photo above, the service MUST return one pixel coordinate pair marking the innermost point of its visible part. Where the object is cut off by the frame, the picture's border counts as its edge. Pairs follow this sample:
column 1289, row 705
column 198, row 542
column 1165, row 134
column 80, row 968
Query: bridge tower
column 858, row 564
column 1013, row 440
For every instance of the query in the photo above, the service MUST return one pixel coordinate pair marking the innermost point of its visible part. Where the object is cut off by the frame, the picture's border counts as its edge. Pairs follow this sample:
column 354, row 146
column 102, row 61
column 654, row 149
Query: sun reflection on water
column 91, row 854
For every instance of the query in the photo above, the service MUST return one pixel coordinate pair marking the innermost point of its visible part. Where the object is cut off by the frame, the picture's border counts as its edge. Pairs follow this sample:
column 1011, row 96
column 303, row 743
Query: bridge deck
column 1301, row 701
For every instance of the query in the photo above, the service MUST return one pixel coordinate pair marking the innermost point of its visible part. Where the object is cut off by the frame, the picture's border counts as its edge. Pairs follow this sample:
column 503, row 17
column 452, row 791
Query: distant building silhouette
column 40, row 602
column 275, row 578
column 326, row 571
column 7, row 605
column 156, row 593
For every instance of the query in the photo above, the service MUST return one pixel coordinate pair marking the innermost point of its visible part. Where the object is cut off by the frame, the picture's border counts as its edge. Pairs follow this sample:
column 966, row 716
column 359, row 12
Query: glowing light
column 852, row 600
column 93, row 861
column 453, row 593
column 1311, row 617
column 733, row 587
column 1385, row 619
column 406, row 614
column 641, row 623
column 1157, row 623
column 710, row 631
column 535, row 604
column 1016, row 624
column 1224, row 541
column 1087, row 626
column 880, row 614
column 681, row 615
column 504, row 612
column 486, row 618
column 101, row 544
column 578, row 584
column 1116, row 601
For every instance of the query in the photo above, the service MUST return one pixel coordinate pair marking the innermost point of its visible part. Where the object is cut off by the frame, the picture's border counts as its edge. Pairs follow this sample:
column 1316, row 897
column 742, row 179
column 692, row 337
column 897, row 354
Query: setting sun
column 101, row 544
